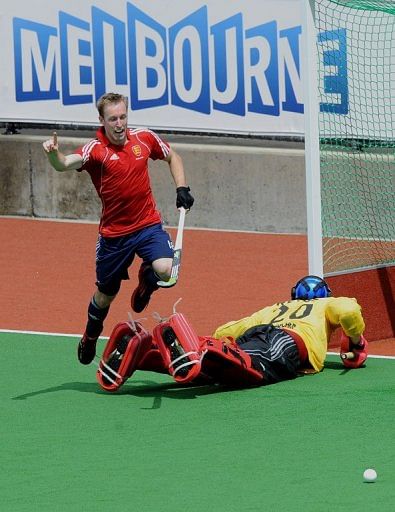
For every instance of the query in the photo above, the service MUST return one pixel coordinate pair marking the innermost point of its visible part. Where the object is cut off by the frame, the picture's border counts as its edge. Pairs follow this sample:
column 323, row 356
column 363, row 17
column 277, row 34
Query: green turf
column 300, row 445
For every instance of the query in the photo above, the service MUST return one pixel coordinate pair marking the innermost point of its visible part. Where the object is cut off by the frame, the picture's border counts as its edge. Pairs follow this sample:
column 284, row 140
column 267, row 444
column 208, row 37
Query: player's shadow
column 155, row 390
column 334, row 365
column 85, row 387
column 173, row 390
column 338, row 365
column 138, row 388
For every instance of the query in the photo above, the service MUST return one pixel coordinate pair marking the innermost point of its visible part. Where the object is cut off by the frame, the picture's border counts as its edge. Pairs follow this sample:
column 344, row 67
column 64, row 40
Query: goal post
column 349, row 86
column 312, row 137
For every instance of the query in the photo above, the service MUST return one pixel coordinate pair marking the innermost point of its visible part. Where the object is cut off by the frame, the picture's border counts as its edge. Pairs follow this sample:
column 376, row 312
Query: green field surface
column 156, row 446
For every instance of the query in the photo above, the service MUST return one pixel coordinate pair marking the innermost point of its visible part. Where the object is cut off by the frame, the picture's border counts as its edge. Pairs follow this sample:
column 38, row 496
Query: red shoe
column 86, row 349
column 142, row 294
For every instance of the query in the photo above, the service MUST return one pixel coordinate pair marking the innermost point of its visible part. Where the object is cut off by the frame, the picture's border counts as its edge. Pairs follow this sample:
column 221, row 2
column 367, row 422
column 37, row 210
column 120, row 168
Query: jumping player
column 130, row 224
column 274, row 344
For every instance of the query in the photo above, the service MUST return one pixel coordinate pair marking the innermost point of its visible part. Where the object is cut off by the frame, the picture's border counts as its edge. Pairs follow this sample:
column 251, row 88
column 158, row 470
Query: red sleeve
column 88, row 155
column 159, row 149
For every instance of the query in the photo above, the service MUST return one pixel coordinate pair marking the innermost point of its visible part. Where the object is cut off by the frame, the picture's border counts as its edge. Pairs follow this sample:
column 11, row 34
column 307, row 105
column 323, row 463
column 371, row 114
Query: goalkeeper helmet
column 310, row 287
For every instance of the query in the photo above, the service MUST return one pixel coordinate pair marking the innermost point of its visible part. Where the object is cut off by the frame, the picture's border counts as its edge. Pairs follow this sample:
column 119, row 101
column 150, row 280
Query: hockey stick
column 347, row 356
column 175, row 268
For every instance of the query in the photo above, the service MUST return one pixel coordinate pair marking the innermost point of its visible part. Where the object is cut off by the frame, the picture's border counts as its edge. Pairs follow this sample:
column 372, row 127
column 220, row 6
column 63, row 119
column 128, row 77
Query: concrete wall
column 242, row 187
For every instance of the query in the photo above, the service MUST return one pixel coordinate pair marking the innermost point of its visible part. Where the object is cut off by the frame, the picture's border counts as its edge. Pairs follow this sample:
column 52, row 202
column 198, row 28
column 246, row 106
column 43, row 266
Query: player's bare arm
column 184, row 198
column 176, row 168
column 59, row 161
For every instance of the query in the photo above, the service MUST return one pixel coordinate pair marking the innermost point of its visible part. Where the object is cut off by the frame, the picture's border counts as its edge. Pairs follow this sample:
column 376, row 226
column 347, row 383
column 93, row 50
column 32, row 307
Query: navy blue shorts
column 114, row 255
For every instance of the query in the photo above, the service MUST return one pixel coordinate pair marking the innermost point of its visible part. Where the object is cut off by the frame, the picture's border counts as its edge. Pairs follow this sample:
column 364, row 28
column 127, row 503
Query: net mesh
column 369, row 5
column 356, row 60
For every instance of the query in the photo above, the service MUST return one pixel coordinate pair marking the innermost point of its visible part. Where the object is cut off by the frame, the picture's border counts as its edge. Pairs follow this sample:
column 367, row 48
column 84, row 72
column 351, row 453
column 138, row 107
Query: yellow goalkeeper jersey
column 313, row 320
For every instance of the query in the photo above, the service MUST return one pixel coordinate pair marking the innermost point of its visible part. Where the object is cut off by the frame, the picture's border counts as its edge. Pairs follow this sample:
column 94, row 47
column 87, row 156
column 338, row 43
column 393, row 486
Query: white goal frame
column 309, row 72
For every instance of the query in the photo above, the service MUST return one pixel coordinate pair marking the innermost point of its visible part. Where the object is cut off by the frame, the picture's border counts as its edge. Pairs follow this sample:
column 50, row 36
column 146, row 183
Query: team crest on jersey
column 136, row 150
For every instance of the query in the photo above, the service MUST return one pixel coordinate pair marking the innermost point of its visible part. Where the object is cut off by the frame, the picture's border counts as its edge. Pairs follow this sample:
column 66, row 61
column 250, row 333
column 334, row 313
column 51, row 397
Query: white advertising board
column 222, row 66
column 214, row 66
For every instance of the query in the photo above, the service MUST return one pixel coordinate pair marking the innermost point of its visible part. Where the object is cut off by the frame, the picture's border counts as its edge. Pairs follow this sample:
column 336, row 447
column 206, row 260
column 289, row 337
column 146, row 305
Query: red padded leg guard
column 152, row 361
column 122, row 354
column 179, row 345
column 227, row 364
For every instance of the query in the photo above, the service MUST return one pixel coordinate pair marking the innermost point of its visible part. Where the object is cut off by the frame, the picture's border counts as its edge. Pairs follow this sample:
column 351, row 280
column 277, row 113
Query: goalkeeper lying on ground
column 274, row 344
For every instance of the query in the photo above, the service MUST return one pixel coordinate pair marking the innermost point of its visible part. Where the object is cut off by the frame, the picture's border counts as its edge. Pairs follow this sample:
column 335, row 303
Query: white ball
column 369, row 475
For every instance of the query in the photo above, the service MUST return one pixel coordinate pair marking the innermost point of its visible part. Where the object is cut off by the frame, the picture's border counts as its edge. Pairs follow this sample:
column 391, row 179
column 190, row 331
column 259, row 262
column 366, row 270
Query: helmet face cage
column 310, row 287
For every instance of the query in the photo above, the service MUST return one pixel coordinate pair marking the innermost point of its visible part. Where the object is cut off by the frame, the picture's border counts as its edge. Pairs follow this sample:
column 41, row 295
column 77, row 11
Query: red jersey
column 120, row 176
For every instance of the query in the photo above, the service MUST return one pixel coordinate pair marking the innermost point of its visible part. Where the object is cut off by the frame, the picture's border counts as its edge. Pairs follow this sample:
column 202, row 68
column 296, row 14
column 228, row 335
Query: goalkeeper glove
column 360, row 351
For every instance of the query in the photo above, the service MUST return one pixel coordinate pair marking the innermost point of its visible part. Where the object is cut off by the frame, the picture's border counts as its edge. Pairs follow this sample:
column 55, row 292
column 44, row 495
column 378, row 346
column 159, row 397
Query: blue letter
column 75, row 52
column 190, row 85
column 147, row 60
column 291, row 103
column 35, row 61
column 336, row 84
column 117, row 62
column 229, row 65
column 264, row 69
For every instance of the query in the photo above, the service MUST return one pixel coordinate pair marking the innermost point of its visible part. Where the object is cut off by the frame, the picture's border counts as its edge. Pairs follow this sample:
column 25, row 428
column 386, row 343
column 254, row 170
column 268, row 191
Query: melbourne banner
column 216, row 66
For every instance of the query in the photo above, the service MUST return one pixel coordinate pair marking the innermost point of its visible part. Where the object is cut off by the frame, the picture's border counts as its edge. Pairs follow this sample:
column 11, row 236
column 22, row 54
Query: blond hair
column 110, row 99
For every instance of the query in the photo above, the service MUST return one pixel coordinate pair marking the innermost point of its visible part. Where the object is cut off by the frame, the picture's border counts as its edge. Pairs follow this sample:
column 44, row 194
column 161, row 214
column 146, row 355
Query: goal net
column 356, row 93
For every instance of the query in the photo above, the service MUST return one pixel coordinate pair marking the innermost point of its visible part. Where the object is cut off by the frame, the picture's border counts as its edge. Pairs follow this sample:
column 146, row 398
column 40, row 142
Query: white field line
column 370, row 356
column 42, row 333
column 39, row 333
column 88, row 222
column 192, row 228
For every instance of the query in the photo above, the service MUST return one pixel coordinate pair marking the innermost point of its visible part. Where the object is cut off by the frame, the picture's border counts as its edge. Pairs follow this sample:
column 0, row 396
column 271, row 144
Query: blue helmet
column 310, row 287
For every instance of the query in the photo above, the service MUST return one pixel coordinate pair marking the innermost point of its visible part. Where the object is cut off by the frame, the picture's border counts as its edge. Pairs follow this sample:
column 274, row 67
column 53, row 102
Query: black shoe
column 86, row 349
column 142, row 294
